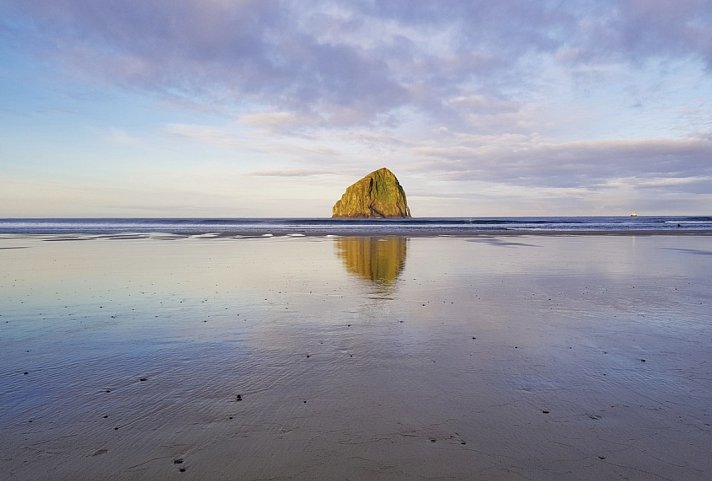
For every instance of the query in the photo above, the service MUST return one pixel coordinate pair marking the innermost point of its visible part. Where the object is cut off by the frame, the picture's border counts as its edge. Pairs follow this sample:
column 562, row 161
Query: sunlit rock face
column 379, row 194
column 375, row 259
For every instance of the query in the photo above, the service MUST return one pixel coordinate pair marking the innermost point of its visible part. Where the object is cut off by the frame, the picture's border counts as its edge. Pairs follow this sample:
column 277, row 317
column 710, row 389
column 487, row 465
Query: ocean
column 326, row 226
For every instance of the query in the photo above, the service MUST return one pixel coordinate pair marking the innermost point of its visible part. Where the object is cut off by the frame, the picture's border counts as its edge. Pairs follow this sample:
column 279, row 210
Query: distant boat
column 634, row 214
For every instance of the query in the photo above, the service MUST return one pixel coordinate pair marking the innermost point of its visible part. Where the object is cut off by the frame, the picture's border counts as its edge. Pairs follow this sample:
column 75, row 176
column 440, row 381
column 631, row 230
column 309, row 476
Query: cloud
column 667, row 185
column 232, row 139
column 290, row 173
column 575, row 164
column 219, row 51
column 278, row 120
column 352, row 63
column 513, row 160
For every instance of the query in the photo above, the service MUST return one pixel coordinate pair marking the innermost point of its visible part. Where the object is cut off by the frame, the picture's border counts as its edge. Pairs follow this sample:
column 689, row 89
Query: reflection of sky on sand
column 280, row 277
column 376, row 259
column 561, row 323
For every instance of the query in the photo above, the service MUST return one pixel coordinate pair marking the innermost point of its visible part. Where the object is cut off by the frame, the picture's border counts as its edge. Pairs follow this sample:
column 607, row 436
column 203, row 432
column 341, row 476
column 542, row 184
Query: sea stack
column 379, row 194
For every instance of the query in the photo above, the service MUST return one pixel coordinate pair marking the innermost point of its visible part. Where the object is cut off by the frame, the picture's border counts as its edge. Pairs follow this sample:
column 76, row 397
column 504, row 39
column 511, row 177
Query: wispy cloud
column 576, row 164
column 290, row 173
column 231, row 137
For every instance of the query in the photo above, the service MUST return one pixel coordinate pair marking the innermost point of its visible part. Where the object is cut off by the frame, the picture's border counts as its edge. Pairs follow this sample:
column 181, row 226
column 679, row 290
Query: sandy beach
column 528, row 357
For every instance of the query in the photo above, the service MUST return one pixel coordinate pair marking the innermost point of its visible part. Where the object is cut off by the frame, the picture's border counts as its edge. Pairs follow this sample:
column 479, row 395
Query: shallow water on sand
column 497, row 358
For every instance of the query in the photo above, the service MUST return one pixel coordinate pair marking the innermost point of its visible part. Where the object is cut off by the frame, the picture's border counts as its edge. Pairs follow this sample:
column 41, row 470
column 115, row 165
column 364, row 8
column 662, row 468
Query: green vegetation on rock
column 379, row 194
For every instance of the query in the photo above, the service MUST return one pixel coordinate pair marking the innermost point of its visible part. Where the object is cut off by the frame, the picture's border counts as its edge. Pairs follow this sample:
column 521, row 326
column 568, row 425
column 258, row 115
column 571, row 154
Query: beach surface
column 519, row 357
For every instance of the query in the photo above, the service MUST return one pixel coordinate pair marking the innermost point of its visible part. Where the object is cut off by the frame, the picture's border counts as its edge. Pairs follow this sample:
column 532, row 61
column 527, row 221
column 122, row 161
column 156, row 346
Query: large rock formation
column 377, row 195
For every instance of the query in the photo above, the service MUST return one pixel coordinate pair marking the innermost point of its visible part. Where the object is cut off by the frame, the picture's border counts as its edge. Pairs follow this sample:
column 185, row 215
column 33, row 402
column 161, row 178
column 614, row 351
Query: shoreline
column 266, row 234
column 413, row 227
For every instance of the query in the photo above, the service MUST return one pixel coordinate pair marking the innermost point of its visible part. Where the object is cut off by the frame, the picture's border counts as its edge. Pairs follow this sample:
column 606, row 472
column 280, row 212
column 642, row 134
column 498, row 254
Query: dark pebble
column 182, row 470
column 433, row 440
column 473, row 337
column 116, row 429
column 108, row 390
column 308, row 355
column 305, row 402
column 106, row 416
column 143, row 379
column 25, row 373
column 601, row 457
column 239, row 397
column 178, row 461
column 642, row 360
column 463, row 442
column 545, row 411
column 230, row 417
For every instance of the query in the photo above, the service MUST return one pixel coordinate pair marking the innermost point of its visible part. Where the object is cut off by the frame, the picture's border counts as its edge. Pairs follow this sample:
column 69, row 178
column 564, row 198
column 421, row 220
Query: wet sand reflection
column 378, row 259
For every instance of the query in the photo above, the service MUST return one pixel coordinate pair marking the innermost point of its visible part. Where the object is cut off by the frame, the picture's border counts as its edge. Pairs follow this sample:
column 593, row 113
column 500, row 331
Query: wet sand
column 542, row 357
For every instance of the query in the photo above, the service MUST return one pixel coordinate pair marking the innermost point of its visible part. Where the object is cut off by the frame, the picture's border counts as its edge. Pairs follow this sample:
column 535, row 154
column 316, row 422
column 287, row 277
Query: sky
column 259, row 108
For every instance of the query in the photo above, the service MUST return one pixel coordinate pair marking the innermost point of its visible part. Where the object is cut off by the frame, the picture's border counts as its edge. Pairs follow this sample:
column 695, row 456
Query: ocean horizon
column 224, row 226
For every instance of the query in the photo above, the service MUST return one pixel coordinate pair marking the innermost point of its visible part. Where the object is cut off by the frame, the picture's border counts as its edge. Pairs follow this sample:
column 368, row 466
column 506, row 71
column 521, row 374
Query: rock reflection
column 378, row 259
